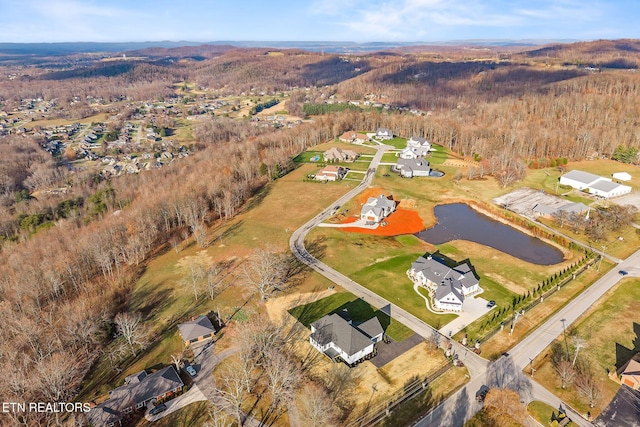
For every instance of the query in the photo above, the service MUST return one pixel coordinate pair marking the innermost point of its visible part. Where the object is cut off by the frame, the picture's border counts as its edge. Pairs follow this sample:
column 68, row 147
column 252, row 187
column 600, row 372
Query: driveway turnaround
column 474, row 308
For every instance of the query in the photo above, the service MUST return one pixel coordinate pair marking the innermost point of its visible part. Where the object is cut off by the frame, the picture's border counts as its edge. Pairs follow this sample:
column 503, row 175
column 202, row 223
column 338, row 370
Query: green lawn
column 306, row 156
column 396, row 142
column 439, row 156
column 540, row 412
column 358, row 310
column 389, row 158
column 389, row 280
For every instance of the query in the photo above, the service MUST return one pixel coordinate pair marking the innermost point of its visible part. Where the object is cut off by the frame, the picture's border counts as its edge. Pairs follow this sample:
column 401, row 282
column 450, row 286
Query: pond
column 459, row 221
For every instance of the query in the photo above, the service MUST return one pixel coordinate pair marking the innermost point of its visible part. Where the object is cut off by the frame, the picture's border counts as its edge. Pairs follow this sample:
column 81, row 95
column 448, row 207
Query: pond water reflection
column 460, row 221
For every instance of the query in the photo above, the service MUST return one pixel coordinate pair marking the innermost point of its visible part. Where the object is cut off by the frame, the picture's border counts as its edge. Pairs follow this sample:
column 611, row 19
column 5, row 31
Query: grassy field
column 608, row 329
column 535, row 317
column 358, row 310
column 396, row 142
column 439, row 156
column 165, row 300
column 305, row 157
column 540, row 412
column 389, row 158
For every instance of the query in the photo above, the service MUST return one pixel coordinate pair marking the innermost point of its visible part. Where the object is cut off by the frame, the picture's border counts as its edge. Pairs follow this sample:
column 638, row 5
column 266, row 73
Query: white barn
column 595, row 184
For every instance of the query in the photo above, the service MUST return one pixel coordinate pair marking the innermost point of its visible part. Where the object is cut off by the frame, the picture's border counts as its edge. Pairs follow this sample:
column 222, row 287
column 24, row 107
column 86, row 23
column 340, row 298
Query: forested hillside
column 62, row 283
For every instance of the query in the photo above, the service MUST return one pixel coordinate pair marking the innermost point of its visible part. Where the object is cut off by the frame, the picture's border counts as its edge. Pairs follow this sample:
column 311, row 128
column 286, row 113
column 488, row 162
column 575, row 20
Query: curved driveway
column 475, row 364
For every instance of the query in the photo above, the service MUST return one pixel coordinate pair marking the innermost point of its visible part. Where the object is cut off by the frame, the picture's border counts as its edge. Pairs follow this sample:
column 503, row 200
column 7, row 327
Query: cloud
column 426, row 19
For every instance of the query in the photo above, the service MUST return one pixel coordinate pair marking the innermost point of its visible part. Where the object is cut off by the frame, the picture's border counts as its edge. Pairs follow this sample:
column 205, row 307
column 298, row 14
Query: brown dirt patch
column 277, row 307
column 402, row 221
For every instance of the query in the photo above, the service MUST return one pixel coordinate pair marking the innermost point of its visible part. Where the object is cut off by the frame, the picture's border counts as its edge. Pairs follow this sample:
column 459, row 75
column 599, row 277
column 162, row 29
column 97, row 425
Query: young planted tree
column 565, row 371
column 588, row 386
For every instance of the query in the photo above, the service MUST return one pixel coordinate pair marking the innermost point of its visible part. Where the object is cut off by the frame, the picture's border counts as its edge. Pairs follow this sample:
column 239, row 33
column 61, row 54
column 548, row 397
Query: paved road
column 474, row 363
column 462, row 406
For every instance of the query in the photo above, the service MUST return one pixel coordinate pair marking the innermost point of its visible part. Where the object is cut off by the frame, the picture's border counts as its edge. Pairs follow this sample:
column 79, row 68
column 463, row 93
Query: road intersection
column 506, row 371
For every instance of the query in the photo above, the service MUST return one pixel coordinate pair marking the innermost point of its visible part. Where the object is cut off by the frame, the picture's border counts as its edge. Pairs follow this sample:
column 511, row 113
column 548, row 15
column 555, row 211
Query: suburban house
column 448, row 286
column 198, row 329
column 629, row 373
column 352, row 136
column 377, row 208
column 409, row 168
column 337, row 337
column 138, row 390
column 330, row 173
column 594, row 184
column 384, row 133
column 335, row 154
column 419, row 142
column 413, row 152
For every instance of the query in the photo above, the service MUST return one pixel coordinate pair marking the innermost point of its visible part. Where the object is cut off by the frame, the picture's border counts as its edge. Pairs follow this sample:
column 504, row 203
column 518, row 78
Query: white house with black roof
column 448, row 286
column 337, row 337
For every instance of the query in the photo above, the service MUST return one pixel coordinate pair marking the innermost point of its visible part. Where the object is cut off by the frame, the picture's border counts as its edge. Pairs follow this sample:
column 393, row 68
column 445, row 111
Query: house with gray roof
column 594, row 184
column 335, row 154
column 409, row 168
column 377, row 208
column 139, row 389
column 448, row 286
column 337, row 337
column 198, row 329
column 384, row 133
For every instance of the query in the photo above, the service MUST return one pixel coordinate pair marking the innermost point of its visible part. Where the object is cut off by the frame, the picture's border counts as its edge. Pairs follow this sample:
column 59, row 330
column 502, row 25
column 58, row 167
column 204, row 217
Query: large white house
column 448, row 286
column 594, row 184
column 409, row 168
column 384, row 133
column 335, row 336
column 377, row 208
column 419, row 142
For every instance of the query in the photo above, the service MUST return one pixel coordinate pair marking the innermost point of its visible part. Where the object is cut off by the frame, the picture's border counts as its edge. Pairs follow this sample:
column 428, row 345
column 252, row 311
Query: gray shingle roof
column 371, row 327
column 435, row 270
column 196, row 328
column 604, row 185
column 153, row 385
column 335, row 329
column 414, row 164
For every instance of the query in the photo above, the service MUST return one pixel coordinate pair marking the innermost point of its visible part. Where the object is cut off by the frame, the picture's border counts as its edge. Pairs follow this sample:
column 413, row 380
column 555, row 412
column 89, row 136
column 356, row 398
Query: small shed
column 621, row 176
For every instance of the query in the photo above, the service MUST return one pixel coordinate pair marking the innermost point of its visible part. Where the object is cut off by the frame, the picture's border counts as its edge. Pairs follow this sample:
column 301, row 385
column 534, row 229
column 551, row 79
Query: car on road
column 158, row 409
column 623, row 272
column 190, row 370
column 491, row 304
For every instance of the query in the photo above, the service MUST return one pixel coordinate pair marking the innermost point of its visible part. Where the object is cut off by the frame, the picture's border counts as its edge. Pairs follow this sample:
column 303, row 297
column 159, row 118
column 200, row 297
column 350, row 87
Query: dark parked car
column 623, row 272
column 160, row 408
column 491, row 304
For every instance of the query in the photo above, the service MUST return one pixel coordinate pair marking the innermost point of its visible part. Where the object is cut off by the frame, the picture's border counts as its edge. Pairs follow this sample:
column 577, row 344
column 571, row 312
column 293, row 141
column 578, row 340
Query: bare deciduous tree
column 503, row 407
column 265, row 271
column 317, row 408
column 283, row 376
column 565, row 371
column 231, row 391
column 129, row 326
column 588, row 386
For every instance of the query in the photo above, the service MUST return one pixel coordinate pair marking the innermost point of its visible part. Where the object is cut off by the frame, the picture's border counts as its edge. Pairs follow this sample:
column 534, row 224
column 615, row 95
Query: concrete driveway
column 474, row 308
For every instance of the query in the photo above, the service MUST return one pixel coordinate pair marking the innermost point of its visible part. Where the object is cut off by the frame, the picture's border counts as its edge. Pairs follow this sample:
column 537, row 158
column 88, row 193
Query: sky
column 315, row 20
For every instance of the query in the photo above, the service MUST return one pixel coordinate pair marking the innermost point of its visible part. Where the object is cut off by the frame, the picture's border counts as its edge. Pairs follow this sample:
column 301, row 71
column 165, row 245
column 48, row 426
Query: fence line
column 382, row 410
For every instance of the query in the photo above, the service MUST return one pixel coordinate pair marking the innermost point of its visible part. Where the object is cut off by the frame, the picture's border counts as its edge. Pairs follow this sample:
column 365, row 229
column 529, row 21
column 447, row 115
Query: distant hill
column 622, row 53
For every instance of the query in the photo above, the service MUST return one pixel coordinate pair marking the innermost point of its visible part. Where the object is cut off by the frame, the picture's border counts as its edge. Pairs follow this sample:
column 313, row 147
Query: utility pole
column 565, row 335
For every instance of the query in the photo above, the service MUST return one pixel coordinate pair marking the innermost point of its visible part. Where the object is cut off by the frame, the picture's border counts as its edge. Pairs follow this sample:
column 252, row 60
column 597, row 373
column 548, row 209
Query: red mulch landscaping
column 402, row 221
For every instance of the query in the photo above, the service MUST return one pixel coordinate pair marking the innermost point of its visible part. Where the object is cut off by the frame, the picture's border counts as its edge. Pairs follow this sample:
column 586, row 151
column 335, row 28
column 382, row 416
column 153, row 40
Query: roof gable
column 196, row 328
